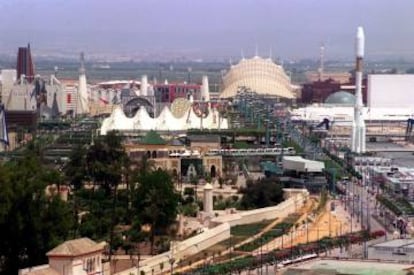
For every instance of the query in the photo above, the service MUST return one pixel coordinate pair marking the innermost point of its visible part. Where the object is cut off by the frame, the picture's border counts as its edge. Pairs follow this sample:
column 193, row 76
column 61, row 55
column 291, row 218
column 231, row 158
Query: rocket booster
column 358, row 125
column 359, row 52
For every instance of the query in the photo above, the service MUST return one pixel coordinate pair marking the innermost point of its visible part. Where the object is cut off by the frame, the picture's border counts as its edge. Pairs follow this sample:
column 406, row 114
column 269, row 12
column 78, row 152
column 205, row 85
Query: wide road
column 361, row 204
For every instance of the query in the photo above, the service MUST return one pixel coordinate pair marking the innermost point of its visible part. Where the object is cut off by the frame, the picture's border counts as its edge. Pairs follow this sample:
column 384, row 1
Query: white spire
column 144, row 85
column 82, row 106
column 82, row 63
column 205, row 91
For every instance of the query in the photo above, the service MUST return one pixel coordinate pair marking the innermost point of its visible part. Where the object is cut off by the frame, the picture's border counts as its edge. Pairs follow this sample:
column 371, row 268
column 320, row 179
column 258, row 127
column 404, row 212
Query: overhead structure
column 166, row 121
column 260, row 75
column 358, row 124
column 82, row 106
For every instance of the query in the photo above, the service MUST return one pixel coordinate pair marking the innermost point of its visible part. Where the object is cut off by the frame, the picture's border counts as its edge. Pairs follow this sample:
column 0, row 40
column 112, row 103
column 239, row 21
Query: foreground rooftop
column 349, row 266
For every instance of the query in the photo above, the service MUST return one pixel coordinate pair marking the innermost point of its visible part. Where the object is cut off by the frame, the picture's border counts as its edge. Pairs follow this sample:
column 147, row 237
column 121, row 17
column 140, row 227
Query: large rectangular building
column 169, row 92
column 390, row 91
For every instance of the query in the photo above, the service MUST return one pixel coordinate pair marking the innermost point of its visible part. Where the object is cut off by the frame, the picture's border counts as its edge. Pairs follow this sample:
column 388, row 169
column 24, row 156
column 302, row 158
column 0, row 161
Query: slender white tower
column 358, row 125
column 144, row 85
column 205, row 90
column 208, row 199
column 82, row 106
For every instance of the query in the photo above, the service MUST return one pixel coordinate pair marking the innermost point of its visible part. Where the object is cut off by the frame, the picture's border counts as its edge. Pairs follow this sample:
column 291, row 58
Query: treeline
column 112, row 199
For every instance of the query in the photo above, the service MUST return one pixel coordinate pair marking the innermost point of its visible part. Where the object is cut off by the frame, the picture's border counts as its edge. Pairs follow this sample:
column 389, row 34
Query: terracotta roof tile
column 76, row 247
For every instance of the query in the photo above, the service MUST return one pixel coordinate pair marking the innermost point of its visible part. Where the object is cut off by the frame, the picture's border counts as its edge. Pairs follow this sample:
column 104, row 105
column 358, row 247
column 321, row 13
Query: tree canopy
column 155, row 201
column 31, row 221
column 106, row 160
column 265, row 192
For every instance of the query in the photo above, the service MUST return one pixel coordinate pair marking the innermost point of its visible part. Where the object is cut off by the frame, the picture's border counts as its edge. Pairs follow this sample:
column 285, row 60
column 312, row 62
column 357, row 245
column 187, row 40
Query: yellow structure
column 260, row 75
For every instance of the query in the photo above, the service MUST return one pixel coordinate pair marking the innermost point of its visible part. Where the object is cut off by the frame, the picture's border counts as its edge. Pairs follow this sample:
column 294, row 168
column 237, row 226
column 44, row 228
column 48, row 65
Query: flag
column 4, row 135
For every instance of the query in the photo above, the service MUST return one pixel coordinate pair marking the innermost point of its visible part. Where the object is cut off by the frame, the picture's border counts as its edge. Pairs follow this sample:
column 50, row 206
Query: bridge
column 373, row 134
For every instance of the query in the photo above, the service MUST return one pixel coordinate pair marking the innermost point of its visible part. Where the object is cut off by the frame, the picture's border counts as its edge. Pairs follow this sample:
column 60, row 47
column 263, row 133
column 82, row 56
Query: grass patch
column 276, row 231
column 249, row 229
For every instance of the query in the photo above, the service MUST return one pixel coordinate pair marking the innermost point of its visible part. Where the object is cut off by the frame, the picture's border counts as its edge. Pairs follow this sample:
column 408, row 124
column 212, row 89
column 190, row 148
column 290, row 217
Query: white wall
column 182, row 250
column 220, row 232
column 279, row 211
column 390, row 91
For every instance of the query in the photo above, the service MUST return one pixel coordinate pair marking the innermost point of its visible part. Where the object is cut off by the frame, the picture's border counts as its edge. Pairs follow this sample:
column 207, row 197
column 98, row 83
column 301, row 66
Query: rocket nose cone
column 360, row 42
column 360, row 33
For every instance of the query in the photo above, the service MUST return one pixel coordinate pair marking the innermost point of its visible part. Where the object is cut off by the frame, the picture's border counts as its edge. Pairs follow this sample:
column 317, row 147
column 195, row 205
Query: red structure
column 318, row 91
column 24, row 63
column 171, row 91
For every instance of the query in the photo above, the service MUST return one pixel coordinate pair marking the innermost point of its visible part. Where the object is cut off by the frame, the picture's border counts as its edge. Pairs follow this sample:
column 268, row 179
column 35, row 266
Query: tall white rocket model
column 358, row 125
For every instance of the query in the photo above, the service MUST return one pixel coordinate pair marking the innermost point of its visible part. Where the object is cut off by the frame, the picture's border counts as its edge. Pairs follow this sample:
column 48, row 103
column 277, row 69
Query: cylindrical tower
column 205, row 91
column 208, row 199
column 144, row 85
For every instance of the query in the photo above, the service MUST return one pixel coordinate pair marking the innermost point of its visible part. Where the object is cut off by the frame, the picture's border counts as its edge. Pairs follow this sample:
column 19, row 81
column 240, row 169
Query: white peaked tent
column 82, row 105
column 166, row 121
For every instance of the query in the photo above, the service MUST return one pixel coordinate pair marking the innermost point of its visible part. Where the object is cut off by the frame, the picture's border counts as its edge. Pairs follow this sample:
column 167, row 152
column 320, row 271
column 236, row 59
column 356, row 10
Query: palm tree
column 145, row 165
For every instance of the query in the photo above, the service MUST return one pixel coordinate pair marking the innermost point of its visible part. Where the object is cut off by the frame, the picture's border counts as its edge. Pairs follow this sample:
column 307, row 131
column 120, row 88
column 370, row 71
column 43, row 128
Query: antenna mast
column 321, row 61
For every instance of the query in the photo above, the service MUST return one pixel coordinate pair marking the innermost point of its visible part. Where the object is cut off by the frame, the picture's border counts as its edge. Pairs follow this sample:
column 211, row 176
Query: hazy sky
column 292, row 28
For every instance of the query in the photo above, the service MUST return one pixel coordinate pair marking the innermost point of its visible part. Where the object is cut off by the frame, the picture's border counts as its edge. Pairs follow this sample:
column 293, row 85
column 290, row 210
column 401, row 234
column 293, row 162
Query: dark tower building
column 24, row 63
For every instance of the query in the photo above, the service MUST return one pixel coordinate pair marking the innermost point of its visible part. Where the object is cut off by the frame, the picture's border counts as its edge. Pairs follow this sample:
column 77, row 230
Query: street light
column 171, row 258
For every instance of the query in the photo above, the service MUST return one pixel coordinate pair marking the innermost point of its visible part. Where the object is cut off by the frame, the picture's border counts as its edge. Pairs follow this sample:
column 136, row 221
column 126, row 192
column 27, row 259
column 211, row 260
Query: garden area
column 278, row 230
column 279, row 255
column 247, row 230
column 238, row 233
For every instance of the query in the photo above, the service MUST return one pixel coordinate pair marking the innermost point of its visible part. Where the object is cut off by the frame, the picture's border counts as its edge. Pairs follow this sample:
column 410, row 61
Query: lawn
column 249, row 229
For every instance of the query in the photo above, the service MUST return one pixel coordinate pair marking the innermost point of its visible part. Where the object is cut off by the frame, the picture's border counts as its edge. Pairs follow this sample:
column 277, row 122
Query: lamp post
column 291, row 244
column 171, row 258
column 171, row 261
column 230, row 248
column 261, row 255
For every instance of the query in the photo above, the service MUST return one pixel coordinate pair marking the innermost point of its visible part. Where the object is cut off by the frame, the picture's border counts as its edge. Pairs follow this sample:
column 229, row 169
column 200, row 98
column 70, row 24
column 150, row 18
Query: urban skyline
column 212, row 29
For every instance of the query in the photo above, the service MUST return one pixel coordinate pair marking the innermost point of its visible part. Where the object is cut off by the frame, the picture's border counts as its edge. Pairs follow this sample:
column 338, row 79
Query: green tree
column 155, row 201
column 265, row 192
column 106, row 160
column 75, row 170
column 145, row 165
column 106, row 164
column 31, row 222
